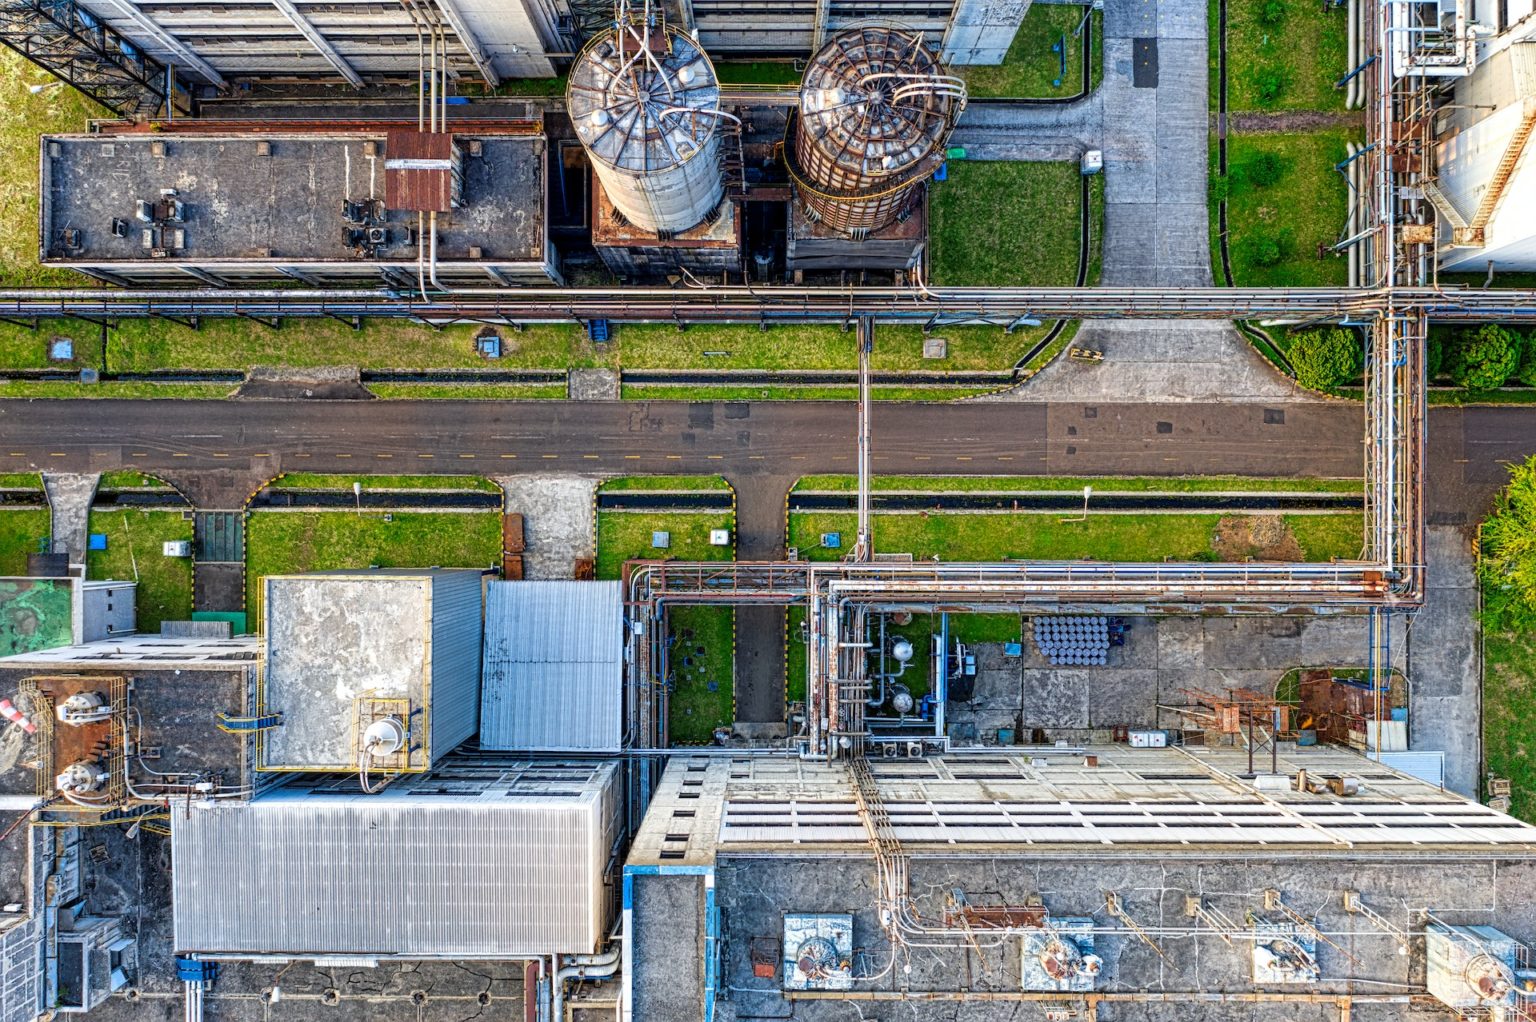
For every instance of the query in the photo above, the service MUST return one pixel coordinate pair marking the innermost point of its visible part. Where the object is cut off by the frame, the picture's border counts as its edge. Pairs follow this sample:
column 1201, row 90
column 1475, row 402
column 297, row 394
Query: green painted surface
column 35, row 614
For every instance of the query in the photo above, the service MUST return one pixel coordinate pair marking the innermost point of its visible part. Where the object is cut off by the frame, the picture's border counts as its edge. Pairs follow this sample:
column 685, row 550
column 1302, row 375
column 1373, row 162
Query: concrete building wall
column 109, row 610
column 261, row 39
column 980, row 31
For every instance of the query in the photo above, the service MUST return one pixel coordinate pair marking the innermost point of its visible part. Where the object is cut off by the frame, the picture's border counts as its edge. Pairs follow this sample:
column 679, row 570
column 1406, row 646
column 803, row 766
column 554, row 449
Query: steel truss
column 69, row 42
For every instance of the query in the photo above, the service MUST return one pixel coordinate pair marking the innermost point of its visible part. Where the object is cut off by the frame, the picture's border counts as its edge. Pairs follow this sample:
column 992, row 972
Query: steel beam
column 318, row 41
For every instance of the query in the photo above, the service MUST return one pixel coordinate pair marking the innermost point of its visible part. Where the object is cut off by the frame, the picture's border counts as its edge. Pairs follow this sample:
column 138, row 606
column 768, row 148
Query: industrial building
column 1485, row 187
column 212, row 48
column 41, row 613
column 1098, row 881
column 648, row 172
column 553, row 673
column 109, row 730
column 482, row 859
column 320, row 208
column 376, row 670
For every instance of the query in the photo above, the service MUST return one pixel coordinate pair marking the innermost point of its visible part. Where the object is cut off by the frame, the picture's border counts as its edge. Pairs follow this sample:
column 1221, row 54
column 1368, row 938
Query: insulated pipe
column 598, row 966
column 1354, row 195
column 194, row 1000
column 1352, row 89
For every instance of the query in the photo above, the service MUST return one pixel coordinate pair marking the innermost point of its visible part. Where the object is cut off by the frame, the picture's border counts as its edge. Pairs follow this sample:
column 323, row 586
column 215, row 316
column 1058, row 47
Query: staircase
column 1473, row 234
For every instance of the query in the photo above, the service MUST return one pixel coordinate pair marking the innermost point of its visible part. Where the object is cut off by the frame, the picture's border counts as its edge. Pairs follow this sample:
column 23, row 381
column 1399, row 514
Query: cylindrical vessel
column 643, row 102
column 876, row 110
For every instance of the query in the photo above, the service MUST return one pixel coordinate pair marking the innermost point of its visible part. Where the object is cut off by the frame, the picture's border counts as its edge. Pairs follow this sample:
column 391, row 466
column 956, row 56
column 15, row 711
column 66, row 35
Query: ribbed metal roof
column 507, row 866
column 553, row 667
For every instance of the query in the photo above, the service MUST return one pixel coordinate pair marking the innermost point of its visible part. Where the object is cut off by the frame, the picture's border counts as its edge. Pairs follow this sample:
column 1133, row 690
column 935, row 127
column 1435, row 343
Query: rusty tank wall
column 876, row 110
column 640, row 113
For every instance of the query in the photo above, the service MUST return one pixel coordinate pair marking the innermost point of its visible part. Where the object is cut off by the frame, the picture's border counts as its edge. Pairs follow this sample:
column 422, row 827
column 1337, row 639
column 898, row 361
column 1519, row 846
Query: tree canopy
column 1484, row 358
column 1325, row 358
column 1508, row 562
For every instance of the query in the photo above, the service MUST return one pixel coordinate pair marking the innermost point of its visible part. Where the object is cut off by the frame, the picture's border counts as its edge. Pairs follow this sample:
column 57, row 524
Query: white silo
column 645, row 101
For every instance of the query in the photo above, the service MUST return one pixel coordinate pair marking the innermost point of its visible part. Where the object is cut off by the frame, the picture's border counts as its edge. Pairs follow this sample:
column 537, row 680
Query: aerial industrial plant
column 687, row 510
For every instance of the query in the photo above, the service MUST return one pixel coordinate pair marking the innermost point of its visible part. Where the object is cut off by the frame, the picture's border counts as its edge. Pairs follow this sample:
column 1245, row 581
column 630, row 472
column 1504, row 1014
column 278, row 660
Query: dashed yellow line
column 509, row 455
column 383, row 455
column 466, row 455
column 426, row 455
column 631, row 457
column 218, row 454
column 174, row 455
column 343, row 455
column 549, row 457
column 61, row 454
column 589, row 457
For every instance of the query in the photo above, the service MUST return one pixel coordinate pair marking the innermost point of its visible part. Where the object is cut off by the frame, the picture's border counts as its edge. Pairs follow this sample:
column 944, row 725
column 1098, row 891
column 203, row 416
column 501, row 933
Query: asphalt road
column 222, row 449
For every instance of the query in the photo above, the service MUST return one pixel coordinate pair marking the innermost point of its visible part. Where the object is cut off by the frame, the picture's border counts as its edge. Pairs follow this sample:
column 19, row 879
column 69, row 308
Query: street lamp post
column 357, row 495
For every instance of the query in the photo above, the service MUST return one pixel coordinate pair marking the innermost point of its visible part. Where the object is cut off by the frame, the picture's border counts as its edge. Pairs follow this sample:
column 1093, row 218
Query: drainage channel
column 386, row 500
column 1070, row 500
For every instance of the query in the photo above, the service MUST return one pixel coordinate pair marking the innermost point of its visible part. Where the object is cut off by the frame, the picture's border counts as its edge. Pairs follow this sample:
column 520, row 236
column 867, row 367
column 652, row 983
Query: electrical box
column 1093, row 162
column 1149, row 739
column 661, row 540
column 176, row 548
column 719, row 537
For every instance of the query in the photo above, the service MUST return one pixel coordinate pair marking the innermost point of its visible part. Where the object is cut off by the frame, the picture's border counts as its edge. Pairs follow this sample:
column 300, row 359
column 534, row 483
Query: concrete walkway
column 69, row 497
column 1445, row 711
column 1154, row 109
column 557, row 521
column 1031, row 131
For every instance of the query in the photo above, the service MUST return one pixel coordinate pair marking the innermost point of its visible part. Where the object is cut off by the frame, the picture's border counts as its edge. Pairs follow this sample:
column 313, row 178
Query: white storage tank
column 643, row 98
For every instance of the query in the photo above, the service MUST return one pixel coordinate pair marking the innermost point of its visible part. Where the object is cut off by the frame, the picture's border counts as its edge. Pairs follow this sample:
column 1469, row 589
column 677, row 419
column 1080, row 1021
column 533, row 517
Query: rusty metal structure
column 876, row 110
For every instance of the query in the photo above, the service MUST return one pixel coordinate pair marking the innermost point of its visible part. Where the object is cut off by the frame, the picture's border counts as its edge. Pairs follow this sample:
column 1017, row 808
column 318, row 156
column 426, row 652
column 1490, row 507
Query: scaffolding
column 74, row 45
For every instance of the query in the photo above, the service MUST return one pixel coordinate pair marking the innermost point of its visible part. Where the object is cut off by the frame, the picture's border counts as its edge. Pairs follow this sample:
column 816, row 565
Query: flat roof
column 276, row 198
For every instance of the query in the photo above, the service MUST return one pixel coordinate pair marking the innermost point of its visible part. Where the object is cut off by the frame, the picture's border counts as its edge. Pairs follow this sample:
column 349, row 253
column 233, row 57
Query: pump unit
column 1060, row 956
column 1477, row 968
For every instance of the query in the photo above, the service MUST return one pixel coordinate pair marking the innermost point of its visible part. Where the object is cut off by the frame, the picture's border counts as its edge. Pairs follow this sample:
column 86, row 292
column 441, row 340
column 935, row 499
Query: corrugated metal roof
column 410, row 873
column 553, row 670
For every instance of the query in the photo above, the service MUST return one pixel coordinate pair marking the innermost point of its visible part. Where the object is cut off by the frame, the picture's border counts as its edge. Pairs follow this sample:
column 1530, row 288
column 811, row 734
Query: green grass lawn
column 761, row 72
column 667, row 483
column 24, row 117
column 130, row 481
column 664, row 392
column 971, row 628
column 1031, row 68
column 694, row 708
column 1103, row 537
column 1100, row 484
column 626, row 536
column 1275, row 231
column 469, row 391
column 1285, row 64
column 133, row 554
column 318, row 481
column 1005, row 224
column 21, row 481
column 1509, row 693
column 21, row 533
column 287, row 542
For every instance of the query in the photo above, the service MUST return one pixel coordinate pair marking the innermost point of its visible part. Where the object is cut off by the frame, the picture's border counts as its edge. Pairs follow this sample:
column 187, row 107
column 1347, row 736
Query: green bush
column 1508, row 554
column 1270, row 84
column 1484, row 358
column 1264, row 170
column 1325, row 358
column 1272, row 13
column 1264, row 250
column 1526, row 374
column 1434, row 355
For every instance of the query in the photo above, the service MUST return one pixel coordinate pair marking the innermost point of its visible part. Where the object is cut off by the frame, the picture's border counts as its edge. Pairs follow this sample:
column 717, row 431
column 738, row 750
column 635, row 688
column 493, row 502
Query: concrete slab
column 1444, row 662
column 558, row 525
column 69, row 498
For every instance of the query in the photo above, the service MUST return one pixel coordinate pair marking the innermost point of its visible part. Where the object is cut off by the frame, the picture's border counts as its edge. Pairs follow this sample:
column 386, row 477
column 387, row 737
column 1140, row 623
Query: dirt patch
column 1289, row 121
column 1256, row 538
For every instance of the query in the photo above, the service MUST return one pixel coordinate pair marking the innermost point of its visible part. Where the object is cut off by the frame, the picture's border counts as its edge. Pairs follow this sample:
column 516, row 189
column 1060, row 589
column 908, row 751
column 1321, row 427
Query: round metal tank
column 876, row 110
column 638, row 110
